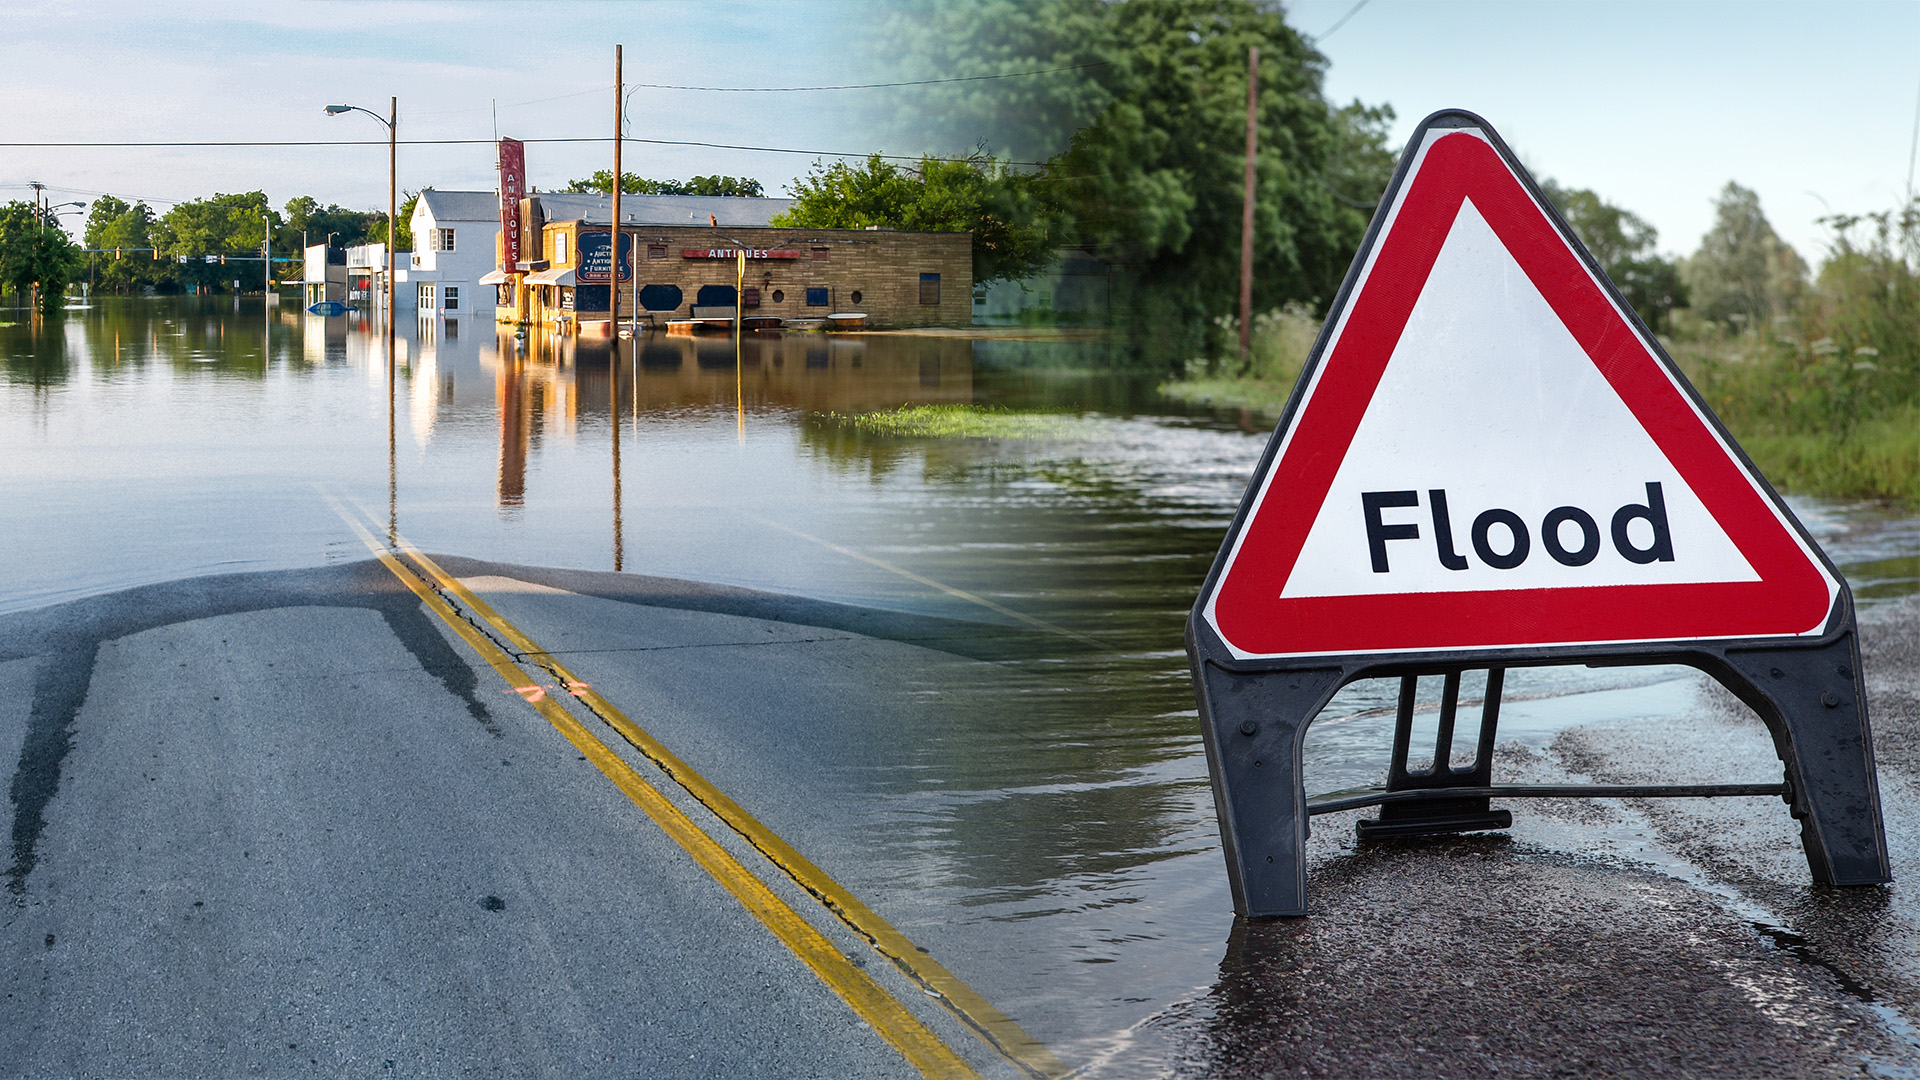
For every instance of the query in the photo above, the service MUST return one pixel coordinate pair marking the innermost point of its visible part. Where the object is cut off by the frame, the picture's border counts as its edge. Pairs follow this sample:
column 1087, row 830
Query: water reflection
column 1059, row 797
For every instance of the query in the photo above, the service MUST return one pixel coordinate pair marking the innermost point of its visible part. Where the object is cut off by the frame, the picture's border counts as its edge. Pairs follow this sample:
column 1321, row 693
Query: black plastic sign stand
column 1782, row 640
column 1254, row 717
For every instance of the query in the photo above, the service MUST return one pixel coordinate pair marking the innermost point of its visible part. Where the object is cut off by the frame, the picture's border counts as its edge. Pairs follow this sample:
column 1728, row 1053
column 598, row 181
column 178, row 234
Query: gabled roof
column 447, row 207
column 450, row 206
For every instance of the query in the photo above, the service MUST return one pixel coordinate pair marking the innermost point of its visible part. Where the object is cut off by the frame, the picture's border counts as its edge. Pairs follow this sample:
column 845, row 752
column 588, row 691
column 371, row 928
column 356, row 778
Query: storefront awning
column 551, row 277
column 494, row 277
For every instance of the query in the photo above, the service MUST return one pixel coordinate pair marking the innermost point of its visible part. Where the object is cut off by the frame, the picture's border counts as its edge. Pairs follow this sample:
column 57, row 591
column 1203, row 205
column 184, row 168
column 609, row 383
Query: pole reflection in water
column 393, row 470
column 512, row 487
column 613, row 405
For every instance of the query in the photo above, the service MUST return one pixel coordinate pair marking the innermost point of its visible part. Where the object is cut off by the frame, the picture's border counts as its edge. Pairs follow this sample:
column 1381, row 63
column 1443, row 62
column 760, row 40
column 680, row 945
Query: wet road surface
column 282, row 821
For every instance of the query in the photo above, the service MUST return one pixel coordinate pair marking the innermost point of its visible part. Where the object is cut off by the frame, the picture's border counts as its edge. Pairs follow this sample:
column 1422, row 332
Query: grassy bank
column 1817, row 417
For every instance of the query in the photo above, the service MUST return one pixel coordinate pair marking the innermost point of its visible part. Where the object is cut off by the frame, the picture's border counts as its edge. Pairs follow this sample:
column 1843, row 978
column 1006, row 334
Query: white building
column 454, row 233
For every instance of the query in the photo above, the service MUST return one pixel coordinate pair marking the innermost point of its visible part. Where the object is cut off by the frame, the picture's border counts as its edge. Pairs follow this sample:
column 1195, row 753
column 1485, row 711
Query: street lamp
column 393, row 202
column 392, row 120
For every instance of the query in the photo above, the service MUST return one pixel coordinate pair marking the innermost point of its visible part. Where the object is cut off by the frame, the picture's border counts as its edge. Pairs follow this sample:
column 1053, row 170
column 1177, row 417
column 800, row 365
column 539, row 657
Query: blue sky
column 1653, row 105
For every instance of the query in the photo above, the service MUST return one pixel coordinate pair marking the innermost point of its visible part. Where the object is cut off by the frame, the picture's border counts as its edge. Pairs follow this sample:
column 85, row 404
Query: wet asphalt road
column 1599, row 937
column 284, row 824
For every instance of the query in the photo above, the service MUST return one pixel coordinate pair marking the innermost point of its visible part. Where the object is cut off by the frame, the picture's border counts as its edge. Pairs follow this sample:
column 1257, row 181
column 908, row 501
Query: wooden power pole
column 613, row 275
column 1246, row 208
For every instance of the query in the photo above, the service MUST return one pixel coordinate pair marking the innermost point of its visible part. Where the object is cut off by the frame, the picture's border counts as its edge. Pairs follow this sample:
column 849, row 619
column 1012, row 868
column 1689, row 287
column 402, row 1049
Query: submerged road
column 428, row 816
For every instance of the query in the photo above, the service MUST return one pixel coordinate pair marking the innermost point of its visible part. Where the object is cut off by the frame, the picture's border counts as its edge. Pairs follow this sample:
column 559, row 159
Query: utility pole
column 40, row 208
column 1246, row 207
column 613, row 275
column 266, row 251
column 613, row 318
column 393, row 239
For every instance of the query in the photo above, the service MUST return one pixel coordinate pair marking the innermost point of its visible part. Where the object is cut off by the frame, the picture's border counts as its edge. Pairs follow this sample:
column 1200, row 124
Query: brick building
column 679, row 270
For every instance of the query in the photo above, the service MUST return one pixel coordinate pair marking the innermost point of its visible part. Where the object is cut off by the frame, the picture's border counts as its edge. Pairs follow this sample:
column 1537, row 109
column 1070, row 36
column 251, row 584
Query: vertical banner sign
column 513, row 188
column 1489, row 462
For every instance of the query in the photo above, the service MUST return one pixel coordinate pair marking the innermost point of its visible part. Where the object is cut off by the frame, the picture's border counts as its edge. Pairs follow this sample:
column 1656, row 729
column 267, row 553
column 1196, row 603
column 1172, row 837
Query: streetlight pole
column 392, row 120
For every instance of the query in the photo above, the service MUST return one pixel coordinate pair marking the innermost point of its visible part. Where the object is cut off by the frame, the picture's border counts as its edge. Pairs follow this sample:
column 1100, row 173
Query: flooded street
column 1042, row 822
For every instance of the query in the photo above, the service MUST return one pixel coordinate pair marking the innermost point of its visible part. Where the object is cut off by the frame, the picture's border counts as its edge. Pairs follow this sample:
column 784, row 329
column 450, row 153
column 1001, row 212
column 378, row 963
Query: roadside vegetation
column 1817, row 376
column 960, row 422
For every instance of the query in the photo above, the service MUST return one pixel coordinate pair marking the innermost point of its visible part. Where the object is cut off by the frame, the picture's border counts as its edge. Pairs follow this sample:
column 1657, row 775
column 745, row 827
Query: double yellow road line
column 491, row 636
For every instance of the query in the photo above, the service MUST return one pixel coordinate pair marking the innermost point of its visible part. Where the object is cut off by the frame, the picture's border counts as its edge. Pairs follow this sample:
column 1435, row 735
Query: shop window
column 779, row 296
column 656, row 251
column 503, row 295
column 450, row 298
column 822, row 253
column 817, row 297
column 566, row 298
column 559, row 248
column 660, row 297
column 929, row 288
column 855, row 298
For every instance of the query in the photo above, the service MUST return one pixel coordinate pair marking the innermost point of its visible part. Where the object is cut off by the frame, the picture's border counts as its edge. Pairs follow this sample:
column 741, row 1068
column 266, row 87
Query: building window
column 559, row 248
column 779, row 296
column 426, row 296
column 929, row 288
column 656, row 251
column 442, row 240
column 450, row 297
column 855, row 298
column 822, row 253
column 817, row 297
column 979, row 296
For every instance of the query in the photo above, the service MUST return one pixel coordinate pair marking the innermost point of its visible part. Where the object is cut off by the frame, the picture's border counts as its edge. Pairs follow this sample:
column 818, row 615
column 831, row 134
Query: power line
column 1328, row 32
column 868, row 86
column 466, row 142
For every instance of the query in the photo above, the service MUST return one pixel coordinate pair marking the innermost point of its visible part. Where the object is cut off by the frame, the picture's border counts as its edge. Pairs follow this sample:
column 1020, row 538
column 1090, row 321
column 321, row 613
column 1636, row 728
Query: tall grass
column 1825, row 399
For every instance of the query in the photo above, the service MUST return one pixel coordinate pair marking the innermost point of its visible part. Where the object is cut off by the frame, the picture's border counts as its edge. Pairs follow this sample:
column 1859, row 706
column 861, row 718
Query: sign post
column 1490, row 462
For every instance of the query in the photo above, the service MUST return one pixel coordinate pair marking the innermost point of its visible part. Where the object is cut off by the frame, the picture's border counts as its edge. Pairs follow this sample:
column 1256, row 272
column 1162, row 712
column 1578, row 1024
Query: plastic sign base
column 1254, row 720
column 1489, row 462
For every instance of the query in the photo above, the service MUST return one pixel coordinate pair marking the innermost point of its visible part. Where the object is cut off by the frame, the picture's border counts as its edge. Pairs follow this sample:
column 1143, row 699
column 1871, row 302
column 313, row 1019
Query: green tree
column 601, row 183
column 37, row 258
column 306, row 217
column 1003, row 209
column 1143, row 136
column 1743, row 274
column 119, row 231
column 202, row 235
column 1623, row 244
column 377, row 229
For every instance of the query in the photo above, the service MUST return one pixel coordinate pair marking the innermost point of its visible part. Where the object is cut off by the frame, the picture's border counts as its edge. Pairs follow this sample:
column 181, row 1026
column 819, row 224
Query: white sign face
column 1489, row 452
column 1497, row 457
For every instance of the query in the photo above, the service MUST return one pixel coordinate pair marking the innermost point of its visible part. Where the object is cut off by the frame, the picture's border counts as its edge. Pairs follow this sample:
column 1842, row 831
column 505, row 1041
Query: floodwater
column 148, row 440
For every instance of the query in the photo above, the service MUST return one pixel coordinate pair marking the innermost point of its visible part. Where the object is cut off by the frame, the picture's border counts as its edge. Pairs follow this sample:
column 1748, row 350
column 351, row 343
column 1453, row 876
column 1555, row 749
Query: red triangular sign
column 1488, row 453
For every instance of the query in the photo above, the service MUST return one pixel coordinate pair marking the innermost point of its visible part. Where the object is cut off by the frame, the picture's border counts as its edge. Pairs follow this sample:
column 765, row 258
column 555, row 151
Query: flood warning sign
column 1489, row 453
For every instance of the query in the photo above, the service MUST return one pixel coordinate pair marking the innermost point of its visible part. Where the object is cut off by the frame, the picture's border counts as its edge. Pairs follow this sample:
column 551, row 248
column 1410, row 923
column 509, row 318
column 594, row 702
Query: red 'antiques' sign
column 513, row 188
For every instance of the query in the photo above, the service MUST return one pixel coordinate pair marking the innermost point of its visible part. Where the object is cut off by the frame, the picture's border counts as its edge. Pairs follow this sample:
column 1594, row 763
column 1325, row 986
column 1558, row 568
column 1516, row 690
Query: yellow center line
column 967, row 1004
column 958, row 594
column 885, row 1014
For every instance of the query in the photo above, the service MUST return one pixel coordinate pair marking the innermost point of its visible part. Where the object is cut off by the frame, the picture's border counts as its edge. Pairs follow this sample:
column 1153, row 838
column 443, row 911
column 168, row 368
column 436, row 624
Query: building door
column 426, row 297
